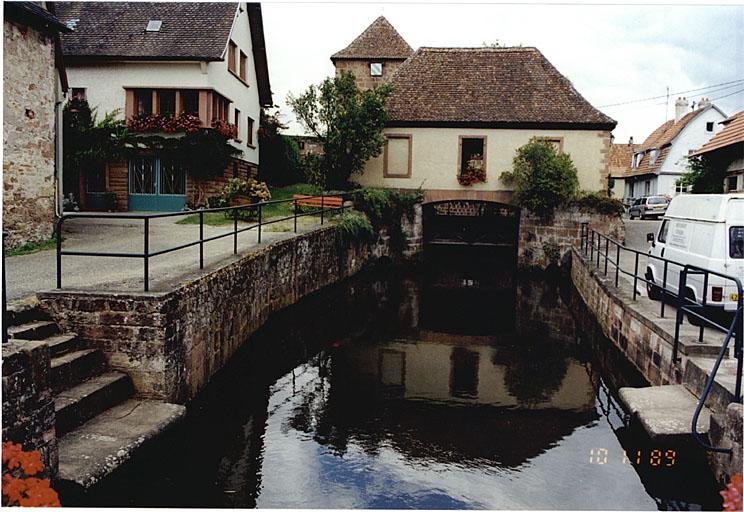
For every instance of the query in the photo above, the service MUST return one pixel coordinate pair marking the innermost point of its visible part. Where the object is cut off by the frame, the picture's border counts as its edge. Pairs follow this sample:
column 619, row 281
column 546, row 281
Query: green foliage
column 355, row 227
column 279, row 159
column 552, row 251
column 703, row 177
column 385, row 208
column 543, row 179
column 256, row 190
column 349, row 124
column 598, row 202
column 32, row 247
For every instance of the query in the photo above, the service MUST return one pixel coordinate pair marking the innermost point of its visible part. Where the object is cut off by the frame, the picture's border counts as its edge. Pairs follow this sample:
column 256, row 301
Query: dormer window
column 375, row 69
column 154, row 26
column 653, row 156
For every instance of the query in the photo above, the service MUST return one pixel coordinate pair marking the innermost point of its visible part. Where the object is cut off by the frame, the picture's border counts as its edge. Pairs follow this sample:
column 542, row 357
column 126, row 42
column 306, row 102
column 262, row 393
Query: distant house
column 461, row 112
column 34, row 83
column 660, row 161
column 308, row 144
column 621, row 158
column 160, row 61
column 725, row 151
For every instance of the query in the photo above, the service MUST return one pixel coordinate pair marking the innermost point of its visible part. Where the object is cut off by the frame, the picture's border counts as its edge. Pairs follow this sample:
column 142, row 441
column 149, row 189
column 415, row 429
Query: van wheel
column 654, row 292
column 692, row 318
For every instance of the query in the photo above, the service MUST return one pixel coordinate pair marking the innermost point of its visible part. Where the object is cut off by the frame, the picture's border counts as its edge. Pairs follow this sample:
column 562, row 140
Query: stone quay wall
column 172, row 343
column 541, row 244
column 28, row 404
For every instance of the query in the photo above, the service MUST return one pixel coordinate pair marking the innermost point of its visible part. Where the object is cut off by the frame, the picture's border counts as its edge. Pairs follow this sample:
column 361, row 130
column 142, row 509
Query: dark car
column 648, row 207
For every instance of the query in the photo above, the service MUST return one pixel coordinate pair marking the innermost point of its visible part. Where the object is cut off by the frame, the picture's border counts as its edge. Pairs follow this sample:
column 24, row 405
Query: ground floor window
column 681, row 189
column 142, row 175
column 647, row 188
column 95, row 180
column 732, row 183
column 172, row 178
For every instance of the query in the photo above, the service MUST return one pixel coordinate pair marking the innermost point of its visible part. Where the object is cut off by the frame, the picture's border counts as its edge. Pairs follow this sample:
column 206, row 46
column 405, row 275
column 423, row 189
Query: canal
column 440, row 387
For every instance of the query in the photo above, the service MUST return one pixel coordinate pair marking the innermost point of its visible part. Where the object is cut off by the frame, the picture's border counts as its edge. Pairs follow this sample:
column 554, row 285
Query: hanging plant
column 164, row 123
column 474, row 171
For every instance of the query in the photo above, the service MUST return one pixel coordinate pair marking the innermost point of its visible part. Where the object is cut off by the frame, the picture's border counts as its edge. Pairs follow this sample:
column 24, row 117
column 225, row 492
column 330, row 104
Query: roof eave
column 72, row 58
column 524, row 125
column 260, row 62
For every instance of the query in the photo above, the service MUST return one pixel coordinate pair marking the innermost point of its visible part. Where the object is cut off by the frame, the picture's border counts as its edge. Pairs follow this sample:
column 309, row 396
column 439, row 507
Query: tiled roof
column 378, row 41
column 621, row 156
column 197, row 30
column 732, row 133
column 661, row 140
column 487, row 87
column 33, row 14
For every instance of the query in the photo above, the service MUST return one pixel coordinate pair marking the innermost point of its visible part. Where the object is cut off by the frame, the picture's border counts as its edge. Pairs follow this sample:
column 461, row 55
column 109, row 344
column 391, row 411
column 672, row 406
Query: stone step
column 722, row 391
column 98, row 447
column 62, row 344
column 36, row 330
column 665, row 412
column 75, row 367
column 25, row 312
column 76, row 405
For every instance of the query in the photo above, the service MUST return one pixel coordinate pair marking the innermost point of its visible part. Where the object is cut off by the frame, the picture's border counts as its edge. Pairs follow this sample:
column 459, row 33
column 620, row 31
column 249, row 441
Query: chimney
column 630, row 141
column 704, row 102
column 680, row 108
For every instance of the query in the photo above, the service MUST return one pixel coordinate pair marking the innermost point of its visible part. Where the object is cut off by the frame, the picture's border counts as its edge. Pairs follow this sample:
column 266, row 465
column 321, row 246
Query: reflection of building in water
column 541, row 311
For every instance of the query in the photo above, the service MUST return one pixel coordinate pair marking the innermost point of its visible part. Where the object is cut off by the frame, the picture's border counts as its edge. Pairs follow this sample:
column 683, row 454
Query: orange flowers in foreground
column 20, row 487
column 732, row 493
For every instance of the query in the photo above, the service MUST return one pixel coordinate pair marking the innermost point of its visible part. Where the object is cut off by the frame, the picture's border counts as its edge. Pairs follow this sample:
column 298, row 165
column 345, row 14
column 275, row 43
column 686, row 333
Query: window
column 190, row 101
column 647, row 188
column 235, row 173
column 302, row 144
column 237, row 121
column 143, row 101
column 167, row 103
column 653, row 156
column 732, row 183
column 79, row 94
column 556, row 142
column 95, row 179
column 142, row 175
column 464, row 373
column 375, row 69
column 397, row 156
column 172, row 178
column 243, row 65
column 709, row 126
column 736, row 242
column 472, row 154
column 154, row 26
column 679, row 189
column 663, row 232
column 231, row 51
column 220, row 107
column 249, row 137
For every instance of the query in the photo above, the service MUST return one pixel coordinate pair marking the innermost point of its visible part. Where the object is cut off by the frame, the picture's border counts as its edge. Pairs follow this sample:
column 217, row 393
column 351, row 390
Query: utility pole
column 666, row 107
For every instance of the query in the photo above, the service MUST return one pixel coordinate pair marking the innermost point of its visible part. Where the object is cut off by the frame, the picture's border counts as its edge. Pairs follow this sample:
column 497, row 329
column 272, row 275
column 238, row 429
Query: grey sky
column 611, row 53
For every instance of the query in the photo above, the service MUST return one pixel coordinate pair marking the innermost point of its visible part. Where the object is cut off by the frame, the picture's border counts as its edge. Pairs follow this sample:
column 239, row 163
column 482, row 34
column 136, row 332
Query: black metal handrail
column 146, row 254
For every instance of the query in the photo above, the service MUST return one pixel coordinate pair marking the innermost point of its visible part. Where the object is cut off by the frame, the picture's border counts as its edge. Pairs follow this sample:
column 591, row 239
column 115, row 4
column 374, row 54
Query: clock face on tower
column 375, row 69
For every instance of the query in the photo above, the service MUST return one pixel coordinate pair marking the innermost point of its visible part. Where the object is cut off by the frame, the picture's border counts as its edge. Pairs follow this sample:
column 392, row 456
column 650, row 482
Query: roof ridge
column 480, row 48
column 379, row 40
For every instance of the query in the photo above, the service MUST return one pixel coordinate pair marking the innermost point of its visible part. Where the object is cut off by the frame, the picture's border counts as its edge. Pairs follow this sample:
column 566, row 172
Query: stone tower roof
column 378, row 41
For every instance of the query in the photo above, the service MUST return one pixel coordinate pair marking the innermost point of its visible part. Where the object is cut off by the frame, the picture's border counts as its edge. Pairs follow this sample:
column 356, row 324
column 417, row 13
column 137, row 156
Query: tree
column 280, row 155
column 543, row 179
column 702, row 177
column 347, row 121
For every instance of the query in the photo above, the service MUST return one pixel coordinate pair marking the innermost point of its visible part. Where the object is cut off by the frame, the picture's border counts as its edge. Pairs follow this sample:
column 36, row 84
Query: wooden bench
column 319, row 202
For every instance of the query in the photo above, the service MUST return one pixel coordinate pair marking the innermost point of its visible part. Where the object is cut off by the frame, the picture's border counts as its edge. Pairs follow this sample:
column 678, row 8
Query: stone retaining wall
column 28, row 404
column 541, row 244
column 172, row 343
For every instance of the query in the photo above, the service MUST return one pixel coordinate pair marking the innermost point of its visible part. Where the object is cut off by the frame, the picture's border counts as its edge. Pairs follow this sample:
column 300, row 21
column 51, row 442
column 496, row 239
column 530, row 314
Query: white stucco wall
column 693, row 136
column 435, row 157
column 105, row 82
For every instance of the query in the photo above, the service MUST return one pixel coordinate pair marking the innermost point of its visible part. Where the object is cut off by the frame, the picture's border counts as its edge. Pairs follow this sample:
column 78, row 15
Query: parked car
column 706, row 231
column 646, row 207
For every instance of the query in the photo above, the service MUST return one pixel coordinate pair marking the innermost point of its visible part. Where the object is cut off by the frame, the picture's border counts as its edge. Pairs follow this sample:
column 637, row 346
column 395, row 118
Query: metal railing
column 256, row 210
column 592, row 243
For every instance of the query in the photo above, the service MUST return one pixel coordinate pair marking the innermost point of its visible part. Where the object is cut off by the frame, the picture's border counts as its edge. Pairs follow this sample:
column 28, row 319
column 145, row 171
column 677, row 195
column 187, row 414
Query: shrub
column 355, row 227
column 385, row 208
column 256, row 190
column 598, row 202
column 543, row 179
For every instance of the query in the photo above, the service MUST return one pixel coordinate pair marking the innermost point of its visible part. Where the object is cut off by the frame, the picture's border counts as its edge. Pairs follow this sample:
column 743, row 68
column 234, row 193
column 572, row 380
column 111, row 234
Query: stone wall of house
column 360, row 70
column 29, row 94
column 172, row 343
column 28, row 404
column 541, row 243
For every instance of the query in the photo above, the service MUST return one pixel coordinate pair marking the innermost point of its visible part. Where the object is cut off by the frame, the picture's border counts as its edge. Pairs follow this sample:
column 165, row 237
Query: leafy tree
column 543, row 179
column 280, row 155
column 347, row 121
column 703, row 177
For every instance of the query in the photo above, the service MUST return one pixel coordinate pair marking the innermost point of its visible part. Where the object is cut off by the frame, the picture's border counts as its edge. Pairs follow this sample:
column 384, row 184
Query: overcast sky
column 611, row 53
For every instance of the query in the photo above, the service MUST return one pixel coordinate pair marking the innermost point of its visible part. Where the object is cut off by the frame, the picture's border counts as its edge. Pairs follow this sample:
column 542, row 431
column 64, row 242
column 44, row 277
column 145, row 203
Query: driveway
column 35, row 272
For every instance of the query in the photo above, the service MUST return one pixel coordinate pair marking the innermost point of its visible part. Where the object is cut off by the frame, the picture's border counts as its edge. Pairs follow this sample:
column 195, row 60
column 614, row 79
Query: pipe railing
column 256, row 210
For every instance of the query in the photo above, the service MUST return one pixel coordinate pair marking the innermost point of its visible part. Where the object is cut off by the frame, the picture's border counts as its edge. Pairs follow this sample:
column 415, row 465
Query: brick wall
column 360, row 70
column 29, row 85
column 28, row 405
column 172, row 343
column 536, row 238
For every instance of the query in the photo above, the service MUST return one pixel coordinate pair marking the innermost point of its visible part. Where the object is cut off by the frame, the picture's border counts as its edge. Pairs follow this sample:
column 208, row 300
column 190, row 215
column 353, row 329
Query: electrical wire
column 714, row 86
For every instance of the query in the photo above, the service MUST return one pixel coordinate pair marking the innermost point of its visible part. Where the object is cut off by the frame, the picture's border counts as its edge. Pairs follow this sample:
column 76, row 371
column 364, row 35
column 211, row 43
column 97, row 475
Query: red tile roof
column 621, row 156
column 490, row 87
column 732, row 133
column 378, row 41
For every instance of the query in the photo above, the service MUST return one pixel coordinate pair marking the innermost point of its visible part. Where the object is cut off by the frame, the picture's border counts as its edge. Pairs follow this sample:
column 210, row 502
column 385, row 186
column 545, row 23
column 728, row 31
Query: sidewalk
column 36, row 272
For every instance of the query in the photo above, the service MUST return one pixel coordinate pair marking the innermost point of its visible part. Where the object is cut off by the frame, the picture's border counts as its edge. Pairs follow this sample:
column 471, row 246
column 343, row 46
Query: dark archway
column 471, row 222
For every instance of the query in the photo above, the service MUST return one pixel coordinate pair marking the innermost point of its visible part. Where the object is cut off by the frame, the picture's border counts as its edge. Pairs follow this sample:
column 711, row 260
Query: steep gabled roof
column 489, row 87
column 378, row 41
column 189, row 31
column 732, row 133
column 34, row 15
column 621, row 156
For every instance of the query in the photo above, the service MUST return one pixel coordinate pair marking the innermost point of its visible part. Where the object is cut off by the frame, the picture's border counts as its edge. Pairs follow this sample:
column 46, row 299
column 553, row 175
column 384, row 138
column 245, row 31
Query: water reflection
column 446, row 389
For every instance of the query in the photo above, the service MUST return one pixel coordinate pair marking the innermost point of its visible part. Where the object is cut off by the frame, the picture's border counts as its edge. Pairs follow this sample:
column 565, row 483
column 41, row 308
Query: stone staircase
column 99, row 425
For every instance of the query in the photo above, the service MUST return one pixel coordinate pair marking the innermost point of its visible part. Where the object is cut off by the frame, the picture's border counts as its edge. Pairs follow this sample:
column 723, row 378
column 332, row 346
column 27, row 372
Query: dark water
column 439, row 389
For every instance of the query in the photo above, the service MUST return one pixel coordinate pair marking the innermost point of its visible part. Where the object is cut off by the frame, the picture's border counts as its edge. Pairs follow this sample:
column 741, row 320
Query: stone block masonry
column 172, row 343
column 28, row 403
column 541, row 243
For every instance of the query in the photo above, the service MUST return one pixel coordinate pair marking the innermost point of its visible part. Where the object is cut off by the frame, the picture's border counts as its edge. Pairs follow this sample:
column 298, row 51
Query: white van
column 705, row 230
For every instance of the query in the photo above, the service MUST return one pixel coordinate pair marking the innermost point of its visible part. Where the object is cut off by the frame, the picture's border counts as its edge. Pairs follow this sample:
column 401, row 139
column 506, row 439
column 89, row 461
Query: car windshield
column 657, row 200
